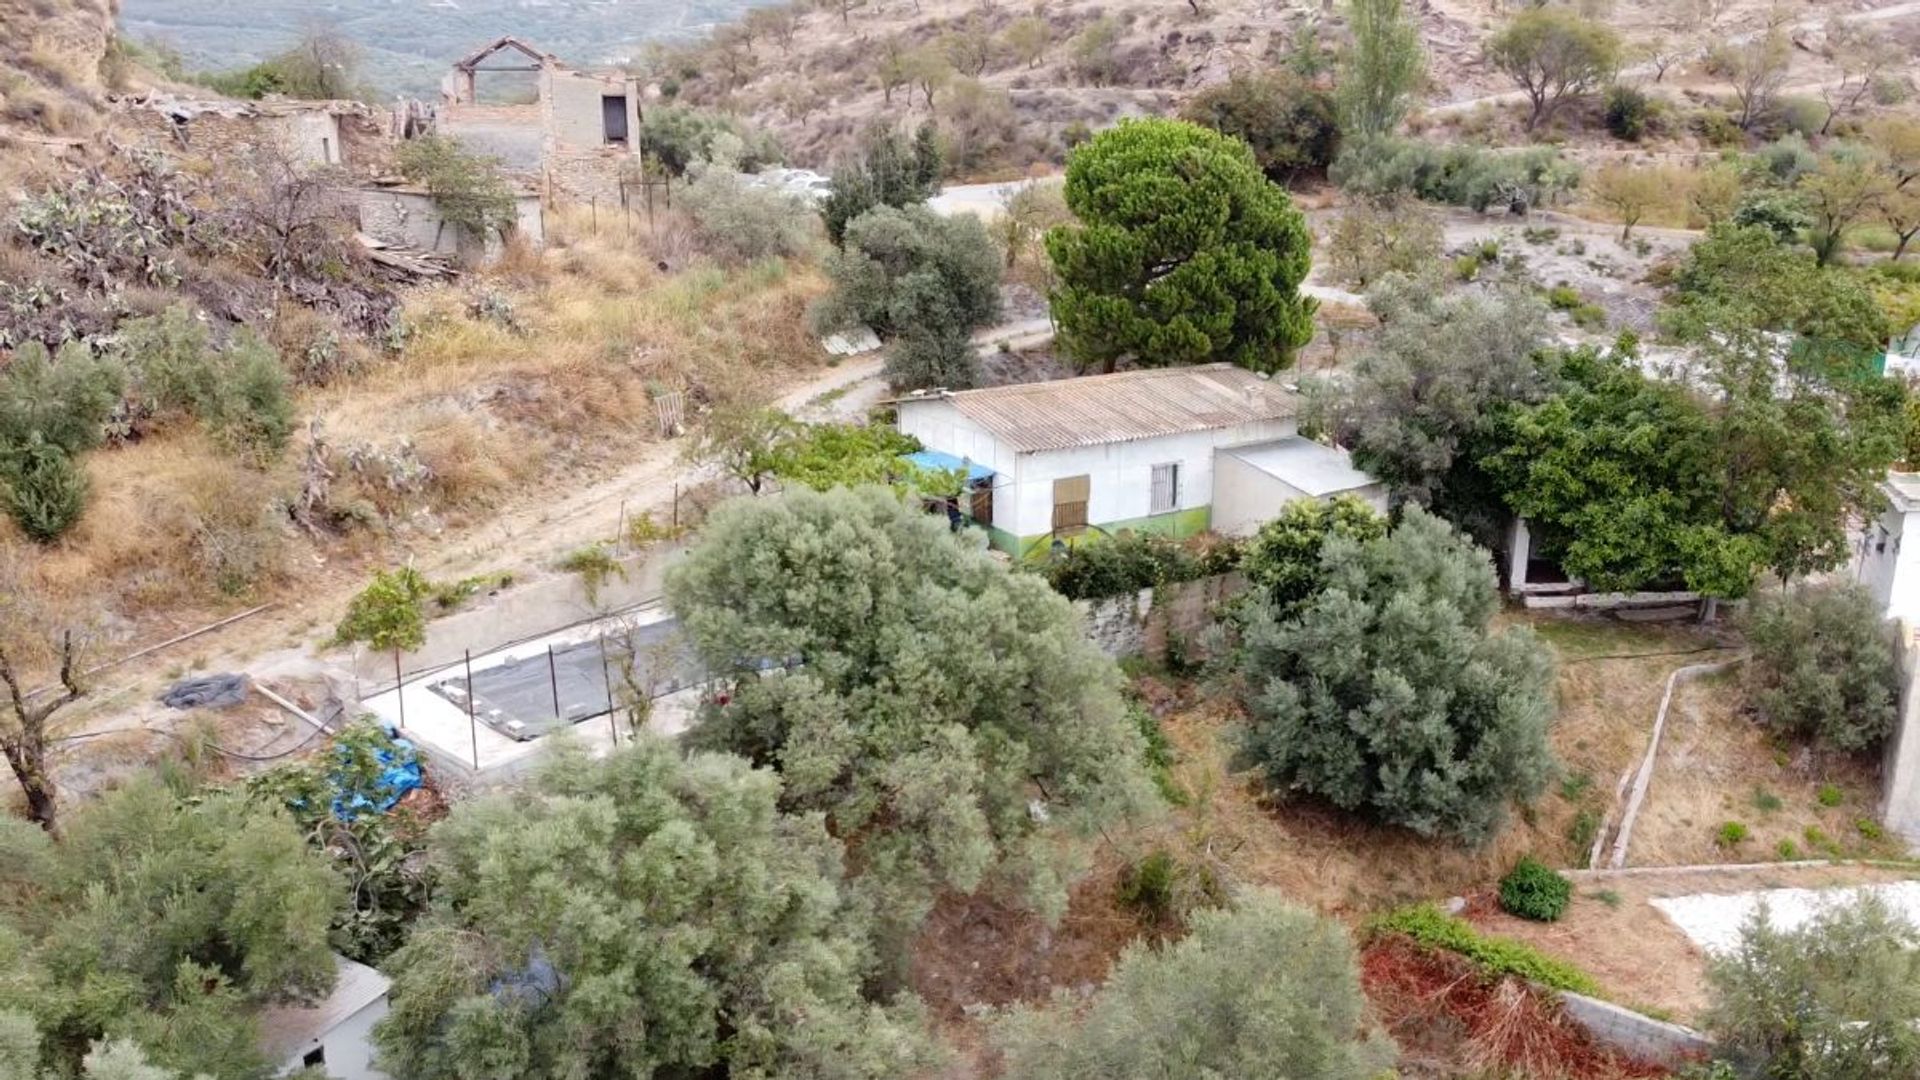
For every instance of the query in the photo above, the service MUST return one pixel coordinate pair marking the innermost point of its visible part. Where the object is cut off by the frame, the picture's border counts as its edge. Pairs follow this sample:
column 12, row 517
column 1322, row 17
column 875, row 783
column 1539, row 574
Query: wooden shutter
column 1070, row 504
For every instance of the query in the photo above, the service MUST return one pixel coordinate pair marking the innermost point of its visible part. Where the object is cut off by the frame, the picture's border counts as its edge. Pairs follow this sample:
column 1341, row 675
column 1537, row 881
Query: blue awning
column 934, row 459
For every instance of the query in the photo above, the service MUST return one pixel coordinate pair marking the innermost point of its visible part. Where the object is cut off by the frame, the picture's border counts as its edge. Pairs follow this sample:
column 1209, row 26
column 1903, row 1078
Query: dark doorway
column 613, row 118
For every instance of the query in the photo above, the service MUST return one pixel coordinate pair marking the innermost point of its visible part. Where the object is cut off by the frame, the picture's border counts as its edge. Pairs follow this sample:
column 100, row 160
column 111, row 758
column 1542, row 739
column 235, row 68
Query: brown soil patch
column 1716, row 765
column 1640, row 958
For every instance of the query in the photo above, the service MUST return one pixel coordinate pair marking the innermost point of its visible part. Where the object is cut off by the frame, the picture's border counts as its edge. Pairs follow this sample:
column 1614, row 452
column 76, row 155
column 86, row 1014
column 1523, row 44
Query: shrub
column 1804, row 116
column 1494, row 956
column 1787, row 850
column 1454, row 173
column 596, row 566
column 387, row 615
column 739, row 221
column 1282, row 560
column 1534, row 890
column 1627, row 109
column 1290, row 123
column 1730, row 834
column 1094, row 53
column 1199, row 1008
column 1834, row 999
column 1374, row 238
column 1164, row 891
column 62, row 399
column 1822, row 668
column 925, row 359
column 1830, row 795
column 239, row 393
column 467, row 189
column 901, row 271
column 889, row 171
column 678, row 135
column 45, row 490
column 1385, row 693
column 1123, row 564
column 1869, row 829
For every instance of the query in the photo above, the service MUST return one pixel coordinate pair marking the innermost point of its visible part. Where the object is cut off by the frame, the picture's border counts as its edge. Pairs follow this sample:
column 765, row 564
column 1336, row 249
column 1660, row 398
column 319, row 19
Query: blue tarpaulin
column 934, row 459
column 399, row 774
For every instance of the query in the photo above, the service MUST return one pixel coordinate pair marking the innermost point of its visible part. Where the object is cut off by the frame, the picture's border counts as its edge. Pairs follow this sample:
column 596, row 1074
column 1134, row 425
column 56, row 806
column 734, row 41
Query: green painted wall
column 1180, row 524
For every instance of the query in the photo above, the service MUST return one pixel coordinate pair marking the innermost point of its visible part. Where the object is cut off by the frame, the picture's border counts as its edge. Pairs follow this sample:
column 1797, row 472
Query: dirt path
column 287, row 641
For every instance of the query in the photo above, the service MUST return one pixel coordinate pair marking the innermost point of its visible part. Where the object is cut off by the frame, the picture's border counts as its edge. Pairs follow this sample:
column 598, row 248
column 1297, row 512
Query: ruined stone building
column 574, row 142
column 338, row 134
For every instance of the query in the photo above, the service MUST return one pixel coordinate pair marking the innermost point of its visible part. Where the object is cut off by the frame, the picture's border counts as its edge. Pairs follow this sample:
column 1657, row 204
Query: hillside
column 406, row 43
column 55, row 65
column 1014, row 85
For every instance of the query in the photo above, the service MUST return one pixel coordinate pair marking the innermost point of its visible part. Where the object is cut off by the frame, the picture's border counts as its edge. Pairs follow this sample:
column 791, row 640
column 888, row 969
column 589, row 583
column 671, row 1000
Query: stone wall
column 409, row 218
column 512, row 133
column 1146, row 623
column 587, row 175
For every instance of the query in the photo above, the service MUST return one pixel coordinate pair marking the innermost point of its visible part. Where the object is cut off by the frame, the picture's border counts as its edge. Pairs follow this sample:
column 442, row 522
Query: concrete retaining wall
column 1640, row 1037
column 1900, row 793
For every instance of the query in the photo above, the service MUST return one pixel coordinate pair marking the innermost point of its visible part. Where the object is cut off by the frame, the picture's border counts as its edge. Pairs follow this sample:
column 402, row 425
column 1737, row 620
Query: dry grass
column 1717, row 765
column 1637, row 955
column 499, row 415
column 1341, row 864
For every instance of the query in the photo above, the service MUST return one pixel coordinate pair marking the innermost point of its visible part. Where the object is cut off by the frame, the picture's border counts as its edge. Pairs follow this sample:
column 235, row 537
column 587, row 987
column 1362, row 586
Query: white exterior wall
column 1245, row 498
column 1890, row 569
column 349, row 1046
column 1120, row 475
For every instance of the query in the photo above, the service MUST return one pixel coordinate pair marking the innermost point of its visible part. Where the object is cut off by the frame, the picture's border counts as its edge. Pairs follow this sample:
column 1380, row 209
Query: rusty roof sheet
column 1124, row 406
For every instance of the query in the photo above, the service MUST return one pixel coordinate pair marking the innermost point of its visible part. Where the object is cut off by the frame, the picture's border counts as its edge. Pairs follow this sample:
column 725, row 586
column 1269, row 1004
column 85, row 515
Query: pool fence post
column 553, row 679
column 473, row 729
column 606, row 675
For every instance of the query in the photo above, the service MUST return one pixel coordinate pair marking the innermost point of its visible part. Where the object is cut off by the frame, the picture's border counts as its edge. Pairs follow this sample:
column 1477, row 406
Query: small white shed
column 334, row 1033
column 1250, row 483
column 1889, row 567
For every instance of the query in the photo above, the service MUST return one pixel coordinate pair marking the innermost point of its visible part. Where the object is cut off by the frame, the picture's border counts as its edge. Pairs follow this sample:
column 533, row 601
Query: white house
column 334, row 1033
column 1888, row 567
column 1171, row 450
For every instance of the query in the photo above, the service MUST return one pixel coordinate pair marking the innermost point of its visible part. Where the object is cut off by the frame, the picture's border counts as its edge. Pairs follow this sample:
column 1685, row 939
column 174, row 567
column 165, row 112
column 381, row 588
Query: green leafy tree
column 824, row 456
column 1185, row 253
column 1282, row 560
column 916, row 277
column 166, row 921
column 1291, row 124
column 1742, row 276
column 1553, row 54
column 642, row 914
column 746, row 442
column 1380, row 70
column 1204, row 1006
column 1849, row 185
column 467, row 188
column 1823, row 667
column 1384, row 693
column 390, row 613
column 1438, row 368
column 933, row 704
column 1637, row 480
column 888, row 171
column 1832, row 1000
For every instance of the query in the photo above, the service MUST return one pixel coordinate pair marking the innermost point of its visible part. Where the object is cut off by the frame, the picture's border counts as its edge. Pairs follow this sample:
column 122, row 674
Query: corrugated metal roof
column 288, row 1029
column 1124, row 406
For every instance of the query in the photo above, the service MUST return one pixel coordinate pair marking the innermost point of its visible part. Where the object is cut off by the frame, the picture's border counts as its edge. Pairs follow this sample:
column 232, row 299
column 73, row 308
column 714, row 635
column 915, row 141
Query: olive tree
column 1832, row 999
column 1385, row 693
column 1823, row 666
column 937, row 707
column 1185, row 253
column 165, row 921
column 642, row 914
column 1553, row 54
column 1265, row 989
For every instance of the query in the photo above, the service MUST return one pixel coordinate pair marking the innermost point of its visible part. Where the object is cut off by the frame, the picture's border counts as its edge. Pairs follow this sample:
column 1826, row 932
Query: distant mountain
column 407, row 44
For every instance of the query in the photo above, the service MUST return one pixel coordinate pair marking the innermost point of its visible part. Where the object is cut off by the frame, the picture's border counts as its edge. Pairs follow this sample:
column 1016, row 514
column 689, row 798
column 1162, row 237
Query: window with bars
column 1165, row 497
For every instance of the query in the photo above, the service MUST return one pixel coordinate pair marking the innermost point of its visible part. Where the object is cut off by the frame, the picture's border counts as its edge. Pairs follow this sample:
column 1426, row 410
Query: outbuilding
column 334, row 1033
column 1176, row 451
